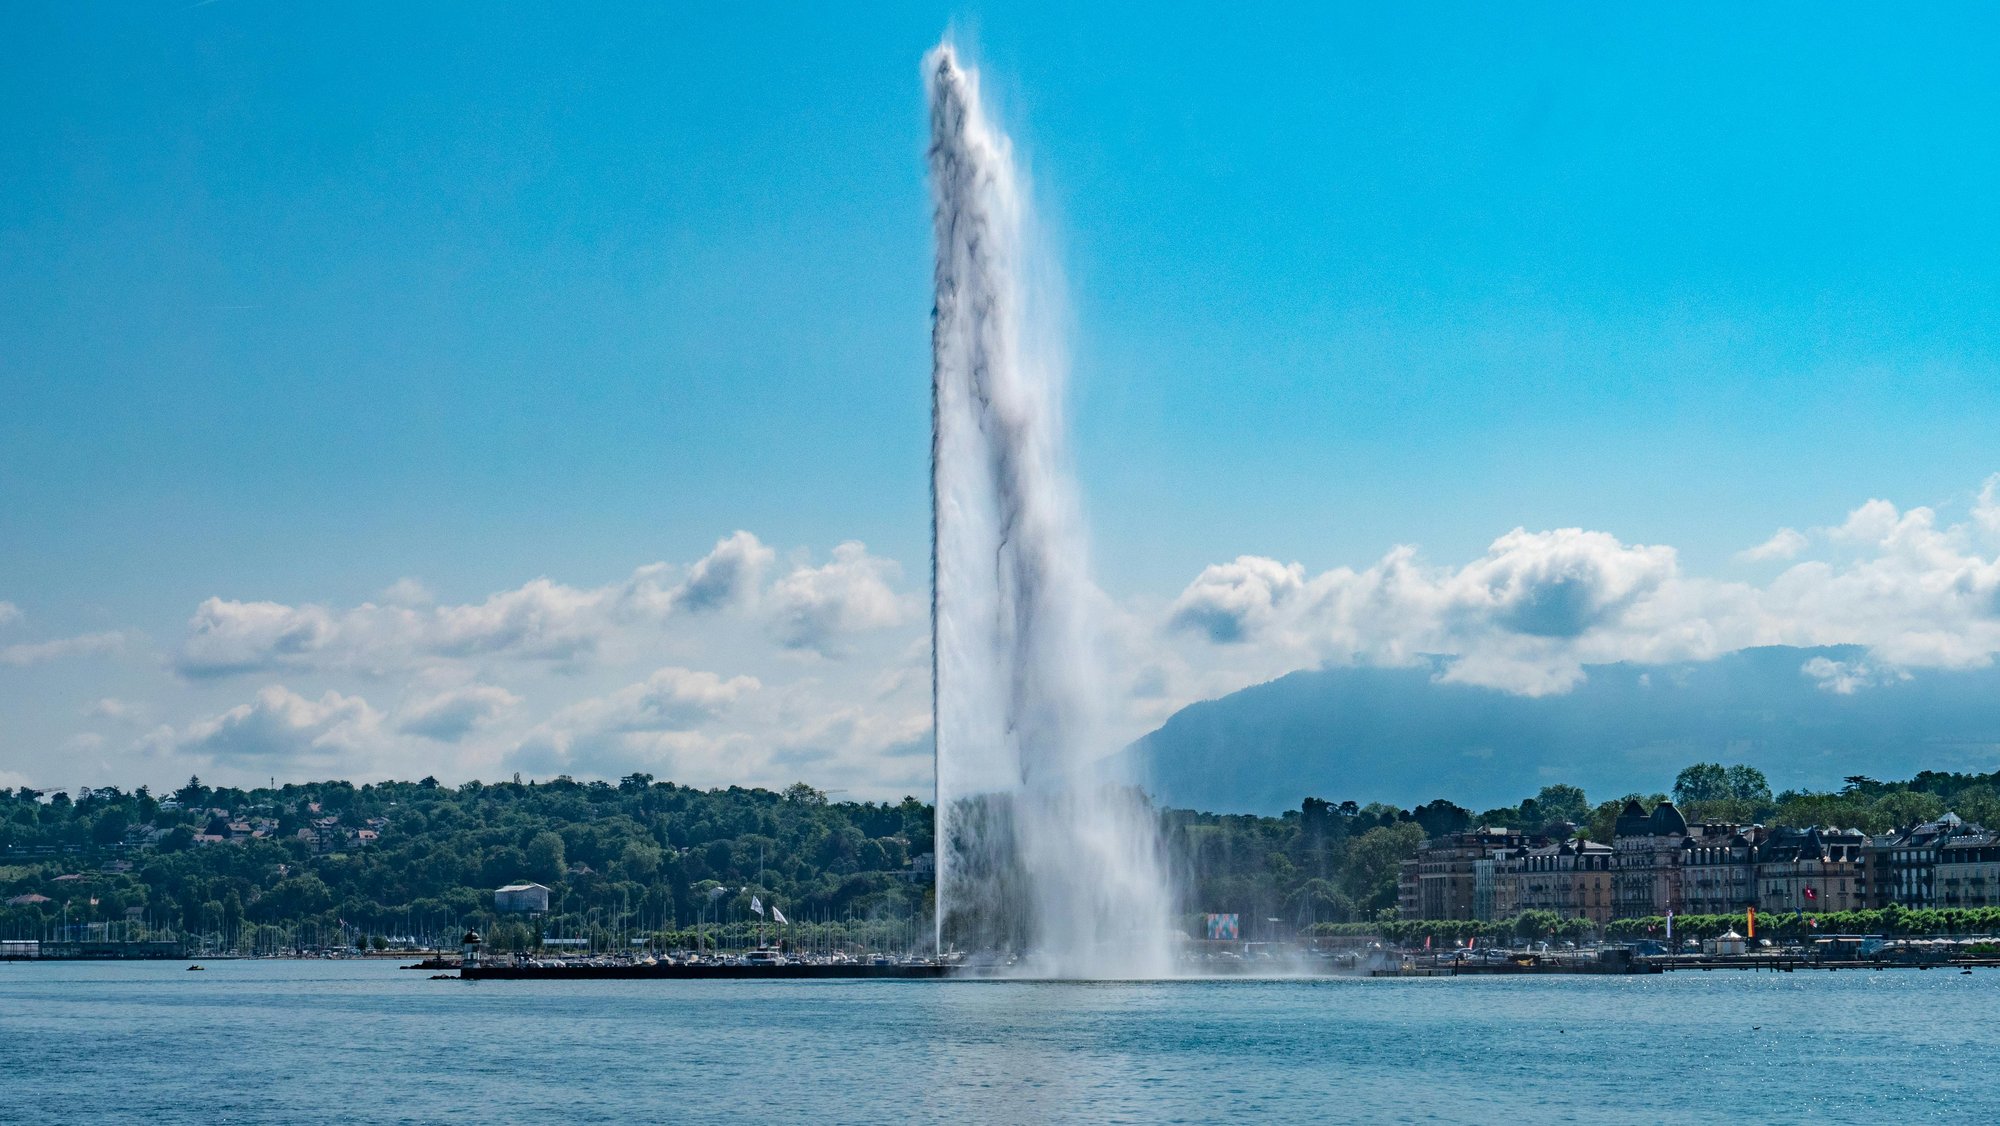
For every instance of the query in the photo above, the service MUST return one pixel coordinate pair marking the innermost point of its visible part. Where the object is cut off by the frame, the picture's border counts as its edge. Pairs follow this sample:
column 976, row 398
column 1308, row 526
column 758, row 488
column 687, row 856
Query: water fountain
column 1040, row 854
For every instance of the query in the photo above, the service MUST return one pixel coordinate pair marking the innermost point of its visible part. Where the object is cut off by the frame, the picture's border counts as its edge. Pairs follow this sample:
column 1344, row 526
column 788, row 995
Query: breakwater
column 682, row 971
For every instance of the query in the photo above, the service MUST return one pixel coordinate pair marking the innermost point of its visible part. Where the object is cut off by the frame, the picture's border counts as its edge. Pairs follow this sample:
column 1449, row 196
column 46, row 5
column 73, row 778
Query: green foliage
column 618, row 859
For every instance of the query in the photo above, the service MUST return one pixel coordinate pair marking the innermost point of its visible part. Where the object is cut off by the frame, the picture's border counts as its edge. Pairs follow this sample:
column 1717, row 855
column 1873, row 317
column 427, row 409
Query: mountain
column 1400, row 735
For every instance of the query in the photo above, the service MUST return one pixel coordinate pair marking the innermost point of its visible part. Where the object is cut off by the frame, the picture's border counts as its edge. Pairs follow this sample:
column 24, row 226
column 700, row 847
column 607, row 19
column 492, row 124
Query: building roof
column 520, row 887
column 1631, row 820
column 1667, row 821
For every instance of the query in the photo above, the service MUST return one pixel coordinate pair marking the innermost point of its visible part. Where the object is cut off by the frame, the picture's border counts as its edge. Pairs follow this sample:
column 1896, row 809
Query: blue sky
column 299, row 303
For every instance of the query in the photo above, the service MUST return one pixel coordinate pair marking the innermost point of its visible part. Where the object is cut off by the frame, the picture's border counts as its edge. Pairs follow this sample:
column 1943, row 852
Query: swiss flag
column 1811, row 894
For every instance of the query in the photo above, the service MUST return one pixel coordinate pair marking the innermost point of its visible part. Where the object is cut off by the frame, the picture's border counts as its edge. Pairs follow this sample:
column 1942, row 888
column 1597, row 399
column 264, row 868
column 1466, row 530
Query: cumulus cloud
column 1228, row 602
column 1986, row 510
column 816, row 607
column 83, row 645
column 1786, row 544
column 1913, row 588
column 726, row 575
column 280, row 726
column 541, row 620
column 451, row 715
column 655, row 722
column 1539, row 606
column 1512, row 617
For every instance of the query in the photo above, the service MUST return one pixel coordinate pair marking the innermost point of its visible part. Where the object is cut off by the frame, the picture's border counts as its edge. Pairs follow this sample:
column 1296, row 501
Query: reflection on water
column 308, row 1042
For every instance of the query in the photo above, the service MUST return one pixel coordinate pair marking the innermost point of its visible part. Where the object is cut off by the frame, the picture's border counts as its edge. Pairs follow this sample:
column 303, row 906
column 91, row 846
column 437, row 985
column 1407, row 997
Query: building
column 1453, row 876
column 1812, row 870
column 521, row 898
column 1906, row 862
column 1572, row 877
column 1719, row 870
column 1646, row 860
column 1968, row 870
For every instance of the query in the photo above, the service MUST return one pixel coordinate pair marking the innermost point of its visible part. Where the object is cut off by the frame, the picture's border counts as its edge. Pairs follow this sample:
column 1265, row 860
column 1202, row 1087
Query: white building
column 524, row 898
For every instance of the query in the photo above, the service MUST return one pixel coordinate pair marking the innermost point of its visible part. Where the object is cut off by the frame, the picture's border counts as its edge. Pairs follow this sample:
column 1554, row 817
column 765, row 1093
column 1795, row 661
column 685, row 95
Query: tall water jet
column 1039, row 852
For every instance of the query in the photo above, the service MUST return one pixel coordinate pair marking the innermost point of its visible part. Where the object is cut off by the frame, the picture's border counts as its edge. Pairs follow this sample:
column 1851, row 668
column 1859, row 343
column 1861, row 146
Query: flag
column 1751, row 922
column 757, row 905
column 777, row 916
column 1811, row 894
column 1427, row 942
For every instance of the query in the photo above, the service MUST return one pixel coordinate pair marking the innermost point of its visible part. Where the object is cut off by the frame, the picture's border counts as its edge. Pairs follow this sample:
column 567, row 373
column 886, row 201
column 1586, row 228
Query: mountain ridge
column 1807, row 717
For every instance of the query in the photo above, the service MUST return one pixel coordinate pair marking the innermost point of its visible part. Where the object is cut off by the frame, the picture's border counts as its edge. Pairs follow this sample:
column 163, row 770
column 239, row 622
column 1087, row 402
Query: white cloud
column 1514, row 618
column 451, row 715
column 1848, row 677
column 729, row 574
column 112, row 708
column 1986, row 509
column 1786, row 544
column 541, row 620
column 817, row 607
column 654, row 723
column 603, row 680
column 9, row 613
column 1229, row 601
column 83, row 645
column 282, row 728
column 1539, row 606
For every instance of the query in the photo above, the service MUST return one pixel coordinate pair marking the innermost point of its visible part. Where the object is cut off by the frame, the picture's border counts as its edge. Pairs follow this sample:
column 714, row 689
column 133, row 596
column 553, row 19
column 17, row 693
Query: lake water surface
column 279, row 1041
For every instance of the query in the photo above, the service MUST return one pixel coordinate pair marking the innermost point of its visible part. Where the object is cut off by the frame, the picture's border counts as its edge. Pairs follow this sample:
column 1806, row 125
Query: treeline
column 1890, row 920
column 317, row 863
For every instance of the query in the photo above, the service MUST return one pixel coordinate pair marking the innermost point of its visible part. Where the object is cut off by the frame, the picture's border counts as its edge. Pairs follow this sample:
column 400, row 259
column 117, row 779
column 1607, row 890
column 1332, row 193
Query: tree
column 798, row 793
column 1747, row 783
column 1978, row 804
column 1905, row 808
column 1441, row 817
column 640, row 861
column 110, row 828
column 1704, row 781
column 545, row 854
column 1563, row 803
column 1373, row 860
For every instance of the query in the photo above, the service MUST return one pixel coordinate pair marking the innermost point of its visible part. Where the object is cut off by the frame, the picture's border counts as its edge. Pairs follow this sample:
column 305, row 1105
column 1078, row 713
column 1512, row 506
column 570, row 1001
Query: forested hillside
column 330, row 862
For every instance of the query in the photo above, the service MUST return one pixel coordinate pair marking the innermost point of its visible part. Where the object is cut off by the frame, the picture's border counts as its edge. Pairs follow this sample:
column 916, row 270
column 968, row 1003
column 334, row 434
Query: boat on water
column 196, row 966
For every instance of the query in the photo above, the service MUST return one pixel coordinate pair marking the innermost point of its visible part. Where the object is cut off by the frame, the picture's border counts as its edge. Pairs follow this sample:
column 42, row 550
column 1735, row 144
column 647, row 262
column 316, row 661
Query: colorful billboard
column 1222, row 928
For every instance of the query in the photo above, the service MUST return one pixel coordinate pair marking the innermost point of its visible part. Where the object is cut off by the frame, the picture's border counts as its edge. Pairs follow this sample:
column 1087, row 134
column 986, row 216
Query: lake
column 283, row 1041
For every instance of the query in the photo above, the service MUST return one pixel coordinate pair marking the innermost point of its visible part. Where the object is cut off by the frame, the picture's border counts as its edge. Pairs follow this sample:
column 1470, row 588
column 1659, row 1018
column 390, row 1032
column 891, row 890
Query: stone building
column 1968, row 870
column 1906, row 862
column 1719, row 871
column 1453, row 876
column 1571, row 876
column 1812, row 870
column 1646, row 860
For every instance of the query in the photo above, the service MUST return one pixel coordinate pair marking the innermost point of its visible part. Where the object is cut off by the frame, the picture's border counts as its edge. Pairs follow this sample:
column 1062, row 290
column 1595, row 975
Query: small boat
column 197, row 966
